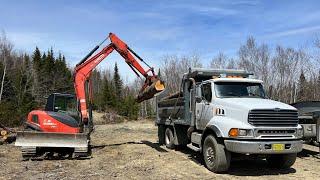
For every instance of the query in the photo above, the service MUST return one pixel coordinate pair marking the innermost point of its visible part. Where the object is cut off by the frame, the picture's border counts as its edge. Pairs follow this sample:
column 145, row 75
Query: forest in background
column 27, row 79
column 289, row 75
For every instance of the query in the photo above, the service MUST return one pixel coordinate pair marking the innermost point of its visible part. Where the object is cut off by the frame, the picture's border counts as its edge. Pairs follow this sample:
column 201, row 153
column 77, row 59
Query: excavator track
column 39, row 145
column 28, row 152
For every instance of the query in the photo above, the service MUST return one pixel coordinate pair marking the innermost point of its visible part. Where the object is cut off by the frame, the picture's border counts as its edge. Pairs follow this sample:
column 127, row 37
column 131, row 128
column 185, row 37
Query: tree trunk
column 2, row 81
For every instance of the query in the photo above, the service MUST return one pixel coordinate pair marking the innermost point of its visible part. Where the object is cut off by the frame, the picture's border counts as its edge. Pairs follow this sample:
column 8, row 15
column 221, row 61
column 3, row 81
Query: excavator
column 64, row 126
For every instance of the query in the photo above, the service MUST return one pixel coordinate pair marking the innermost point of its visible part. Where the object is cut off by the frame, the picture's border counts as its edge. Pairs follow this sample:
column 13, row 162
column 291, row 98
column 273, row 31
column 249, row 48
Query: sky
column 155, row 29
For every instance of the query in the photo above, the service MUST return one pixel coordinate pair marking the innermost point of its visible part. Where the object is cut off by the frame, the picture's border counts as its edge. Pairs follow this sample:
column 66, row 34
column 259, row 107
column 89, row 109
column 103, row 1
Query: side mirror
column 198, row 99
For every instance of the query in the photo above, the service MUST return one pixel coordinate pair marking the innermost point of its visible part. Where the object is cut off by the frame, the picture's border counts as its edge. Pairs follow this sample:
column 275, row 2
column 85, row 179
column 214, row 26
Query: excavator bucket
column 30, row 140
column 155, row 88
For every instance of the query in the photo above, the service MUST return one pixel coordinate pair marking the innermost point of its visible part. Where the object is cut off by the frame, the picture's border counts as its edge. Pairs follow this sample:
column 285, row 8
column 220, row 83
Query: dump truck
column 309, row 119
column 224, row 114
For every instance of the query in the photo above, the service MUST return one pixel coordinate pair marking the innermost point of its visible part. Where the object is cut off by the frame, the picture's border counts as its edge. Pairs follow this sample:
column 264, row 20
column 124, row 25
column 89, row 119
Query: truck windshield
column 239, row 89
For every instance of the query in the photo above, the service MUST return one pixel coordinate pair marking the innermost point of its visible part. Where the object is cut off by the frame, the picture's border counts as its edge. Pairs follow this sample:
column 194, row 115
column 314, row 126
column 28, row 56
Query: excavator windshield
column 65, row 103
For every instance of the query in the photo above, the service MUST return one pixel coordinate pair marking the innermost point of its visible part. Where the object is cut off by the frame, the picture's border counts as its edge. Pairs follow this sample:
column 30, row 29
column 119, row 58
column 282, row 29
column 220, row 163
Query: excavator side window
column 35, row 118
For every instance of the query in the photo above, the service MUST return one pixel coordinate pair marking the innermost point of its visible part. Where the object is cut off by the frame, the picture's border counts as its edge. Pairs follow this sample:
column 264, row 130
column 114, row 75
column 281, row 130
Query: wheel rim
column 210, row 155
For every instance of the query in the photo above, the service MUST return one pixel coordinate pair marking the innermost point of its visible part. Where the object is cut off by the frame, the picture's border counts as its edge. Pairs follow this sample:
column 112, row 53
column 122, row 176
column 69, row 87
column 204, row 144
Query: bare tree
column 256, row 59
column 173, row 68
column 5, row 51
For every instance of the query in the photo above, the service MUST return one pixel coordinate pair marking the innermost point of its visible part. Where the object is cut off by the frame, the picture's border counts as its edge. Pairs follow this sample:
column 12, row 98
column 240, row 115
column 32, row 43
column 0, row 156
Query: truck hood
column 255, row 103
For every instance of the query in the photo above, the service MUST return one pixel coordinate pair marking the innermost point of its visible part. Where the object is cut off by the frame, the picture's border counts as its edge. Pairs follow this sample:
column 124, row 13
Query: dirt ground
column 130, row 151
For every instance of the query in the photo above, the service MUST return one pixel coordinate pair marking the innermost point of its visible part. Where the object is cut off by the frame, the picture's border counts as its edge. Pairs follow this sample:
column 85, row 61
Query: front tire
column 282, row 160
column 169, row 138
column 161, row 131
column 216, row 157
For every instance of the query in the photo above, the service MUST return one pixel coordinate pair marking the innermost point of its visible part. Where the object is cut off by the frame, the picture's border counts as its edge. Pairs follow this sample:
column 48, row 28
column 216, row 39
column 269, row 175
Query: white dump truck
column 224, row 113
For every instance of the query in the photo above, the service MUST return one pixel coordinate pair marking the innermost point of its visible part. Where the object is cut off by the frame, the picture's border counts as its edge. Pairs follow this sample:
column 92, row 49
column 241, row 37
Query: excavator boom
column 151, row 86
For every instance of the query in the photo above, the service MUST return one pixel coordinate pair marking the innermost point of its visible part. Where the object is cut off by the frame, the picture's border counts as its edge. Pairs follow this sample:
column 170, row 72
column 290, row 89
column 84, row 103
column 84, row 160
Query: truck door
column 203, row 107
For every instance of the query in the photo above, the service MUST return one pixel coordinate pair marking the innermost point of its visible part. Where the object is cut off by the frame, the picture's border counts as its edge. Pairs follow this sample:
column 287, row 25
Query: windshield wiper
column 232, row 94
column 257, row 95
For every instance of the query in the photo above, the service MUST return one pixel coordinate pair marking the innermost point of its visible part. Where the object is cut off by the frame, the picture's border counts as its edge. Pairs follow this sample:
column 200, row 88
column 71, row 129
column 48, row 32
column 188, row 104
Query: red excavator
column 65, row 125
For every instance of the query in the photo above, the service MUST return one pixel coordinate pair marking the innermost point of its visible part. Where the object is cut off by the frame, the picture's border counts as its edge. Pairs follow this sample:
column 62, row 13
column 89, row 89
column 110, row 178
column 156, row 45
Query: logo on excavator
column 48, row 122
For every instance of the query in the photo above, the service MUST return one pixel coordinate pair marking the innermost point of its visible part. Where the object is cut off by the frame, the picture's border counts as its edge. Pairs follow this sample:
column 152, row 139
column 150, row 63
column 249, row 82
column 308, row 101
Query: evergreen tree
column 36, row 59
column 130, row 107
column 118, row 87
column 302, row 87
column 117, row 83
column 159, row 73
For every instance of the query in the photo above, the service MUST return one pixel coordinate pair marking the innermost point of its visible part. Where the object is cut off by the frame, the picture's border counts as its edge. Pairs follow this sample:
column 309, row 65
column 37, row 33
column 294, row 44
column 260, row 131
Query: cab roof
column 237, row 80
column 203, row 74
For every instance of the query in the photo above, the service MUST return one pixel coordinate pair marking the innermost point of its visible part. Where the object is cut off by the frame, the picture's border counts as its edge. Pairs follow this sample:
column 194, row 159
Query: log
column 11, row 138
column 173, row 95
column 5, row 128
column 150, row 91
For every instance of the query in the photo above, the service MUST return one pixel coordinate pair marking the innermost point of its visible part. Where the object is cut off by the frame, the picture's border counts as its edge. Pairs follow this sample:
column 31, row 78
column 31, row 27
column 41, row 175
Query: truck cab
column 225, row 112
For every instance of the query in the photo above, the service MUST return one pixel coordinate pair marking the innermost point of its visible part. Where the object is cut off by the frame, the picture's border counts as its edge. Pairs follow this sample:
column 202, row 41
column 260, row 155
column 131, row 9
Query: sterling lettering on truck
column 220, row 113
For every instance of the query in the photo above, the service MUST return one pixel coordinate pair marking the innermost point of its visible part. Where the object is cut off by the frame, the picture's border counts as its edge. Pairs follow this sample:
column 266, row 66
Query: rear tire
column 216, row 157
column 161, row 132
column 169, row 138
column 281, row 160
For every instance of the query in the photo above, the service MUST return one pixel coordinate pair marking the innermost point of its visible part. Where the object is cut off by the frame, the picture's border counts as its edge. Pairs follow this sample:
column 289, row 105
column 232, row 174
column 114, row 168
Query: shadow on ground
column 110, row 145
column 242, row 167
column 148, row 143
column 309, row 153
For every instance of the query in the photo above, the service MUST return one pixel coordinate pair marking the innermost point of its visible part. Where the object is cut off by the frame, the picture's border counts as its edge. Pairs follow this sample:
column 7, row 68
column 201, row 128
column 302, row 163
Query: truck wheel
column 161, row 131
column 216, row 157
column 281, row 160
column 169, row 138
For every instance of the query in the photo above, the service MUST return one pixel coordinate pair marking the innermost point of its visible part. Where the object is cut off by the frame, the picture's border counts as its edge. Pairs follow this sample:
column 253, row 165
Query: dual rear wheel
column 169, row 138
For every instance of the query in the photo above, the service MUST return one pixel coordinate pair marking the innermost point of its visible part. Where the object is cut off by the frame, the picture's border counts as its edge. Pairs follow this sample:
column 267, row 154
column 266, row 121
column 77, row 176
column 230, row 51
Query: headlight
column 236, row 132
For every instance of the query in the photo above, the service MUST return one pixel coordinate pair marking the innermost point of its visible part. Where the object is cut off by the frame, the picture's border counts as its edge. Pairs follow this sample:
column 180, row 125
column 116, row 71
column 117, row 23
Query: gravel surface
column 130, row 151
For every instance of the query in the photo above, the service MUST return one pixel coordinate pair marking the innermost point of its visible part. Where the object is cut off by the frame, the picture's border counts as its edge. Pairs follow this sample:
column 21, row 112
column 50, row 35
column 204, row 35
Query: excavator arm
column 152, row 84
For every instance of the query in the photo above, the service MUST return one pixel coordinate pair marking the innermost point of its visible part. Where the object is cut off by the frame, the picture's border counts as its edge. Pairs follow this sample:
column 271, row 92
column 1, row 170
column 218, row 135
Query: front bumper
column 262, row 147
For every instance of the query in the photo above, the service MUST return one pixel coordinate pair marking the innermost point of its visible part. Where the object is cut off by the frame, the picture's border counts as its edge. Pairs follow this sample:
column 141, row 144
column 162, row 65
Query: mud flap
column 79, row 141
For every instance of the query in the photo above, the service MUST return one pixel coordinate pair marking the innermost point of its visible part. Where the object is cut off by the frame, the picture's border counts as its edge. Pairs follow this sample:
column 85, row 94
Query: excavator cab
column 64, row 104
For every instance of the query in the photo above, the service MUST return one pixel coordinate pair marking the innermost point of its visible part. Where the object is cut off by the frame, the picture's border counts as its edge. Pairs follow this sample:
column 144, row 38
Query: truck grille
column 273, row 117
